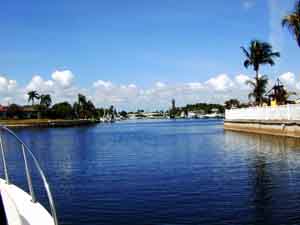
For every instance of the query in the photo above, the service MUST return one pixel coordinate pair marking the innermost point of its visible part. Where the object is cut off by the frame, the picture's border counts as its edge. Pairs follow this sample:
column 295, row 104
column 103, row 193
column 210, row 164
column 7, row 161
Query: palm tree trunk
column 256, row 75
column 257, row 97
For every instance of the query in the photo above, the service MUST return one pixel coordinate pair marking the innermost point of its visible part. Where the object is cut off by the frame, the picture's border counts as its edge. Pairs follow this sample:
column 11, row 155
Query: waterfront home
column 196, row 114
column 29, row 112
column 215, row 110
column 146, row 115
column 3, row 112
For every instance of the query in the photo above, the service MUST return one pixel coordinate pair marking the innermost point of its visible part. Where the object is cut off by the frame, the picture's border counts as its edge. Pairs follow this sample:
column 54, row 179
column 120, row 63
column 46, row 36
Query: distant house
column 183, row 115
column 215, row 110
column 29, row 112
column 3, row 112
column 196, row 114
column 192, row 115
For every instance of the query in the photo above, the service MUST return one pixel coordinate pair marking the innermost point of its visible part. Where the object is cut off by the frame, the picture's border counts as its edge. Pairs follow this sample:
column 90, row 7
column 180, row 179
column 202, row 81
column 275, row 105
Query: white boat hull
column 19, row 208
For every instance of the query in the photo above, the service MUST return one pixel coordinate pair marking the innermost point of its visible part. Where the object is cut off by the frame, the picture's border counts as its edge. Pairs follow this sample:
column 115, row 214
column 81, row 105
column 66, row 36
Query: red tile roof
column 3, row 108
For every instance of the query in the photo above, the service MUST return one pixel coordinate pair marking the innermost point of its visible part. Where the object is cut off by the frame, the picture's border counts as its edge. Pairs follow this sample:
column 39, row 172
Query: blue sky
column 139, row 42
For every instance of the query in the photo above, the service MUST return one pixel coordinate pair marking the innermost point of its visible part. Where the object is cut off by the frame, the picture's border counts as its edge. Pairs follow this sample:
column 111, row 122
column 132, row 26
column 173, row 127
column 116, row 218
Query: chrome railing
column 25, row 152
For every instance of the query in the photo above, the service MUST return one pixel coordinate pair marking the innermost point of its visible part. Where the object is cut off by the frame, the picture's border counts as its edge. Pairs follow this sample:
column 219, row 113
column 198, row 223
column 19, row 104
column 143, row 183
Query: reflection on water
column 273, row 164
column 267, row 149
column 166, row 172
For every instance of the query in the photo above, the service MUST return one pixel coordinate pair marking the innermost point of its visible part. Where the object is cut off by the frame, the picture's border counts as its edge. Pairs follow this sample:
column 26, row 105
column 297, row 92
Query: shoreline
column 46, row 123
column 66, row 123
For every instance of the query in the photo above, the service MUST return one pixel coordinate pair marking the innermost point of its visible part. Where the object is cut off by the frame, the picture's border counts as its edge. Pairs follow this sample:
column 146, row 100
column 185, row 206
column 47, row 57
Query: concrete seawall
column 270, row 127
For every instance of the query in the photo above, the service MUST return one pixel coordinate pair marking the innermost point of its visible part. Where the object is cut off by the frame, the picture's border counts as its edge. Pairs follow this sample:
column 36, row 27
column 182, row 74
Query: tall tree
column 45, row 100
column 90, row 109
column 292, row 22
column 76, row 109
column 111, row 112
column 229, row 104
column 259, row 88
column 259, row 53
column 32, row 95
column 62, row 110
column 82, row 106
column 82, row 100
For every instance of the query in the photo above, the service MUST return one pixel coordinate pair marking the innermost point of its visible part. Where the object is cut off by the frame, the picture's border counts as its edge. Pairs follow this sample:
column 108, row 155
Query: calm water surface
column 165, row 173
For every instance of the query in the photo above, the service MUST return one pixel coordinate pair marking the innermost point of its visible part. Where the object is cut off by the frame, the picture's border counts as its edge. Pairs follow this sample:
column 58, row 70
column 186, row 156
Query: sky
column 139, row 54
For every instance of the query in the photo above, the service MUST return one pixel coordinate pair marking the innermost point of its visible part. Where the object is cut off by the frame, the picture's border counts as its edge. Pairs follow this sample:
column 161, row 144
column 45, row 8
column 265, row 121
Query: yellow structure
column 274, row 103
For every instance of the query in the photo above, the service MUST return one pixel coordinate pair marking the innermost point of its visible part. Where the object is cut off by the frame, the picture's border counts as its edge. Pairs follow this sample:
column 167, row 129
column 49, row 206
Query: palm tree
column 45, row 100
column 76, row 109
column 111, row 112
column 259, row 87
column 32, row 95
column 82, row 106
column 82, row 100
column 259, row 53
column 90, row 109
column 292, row 22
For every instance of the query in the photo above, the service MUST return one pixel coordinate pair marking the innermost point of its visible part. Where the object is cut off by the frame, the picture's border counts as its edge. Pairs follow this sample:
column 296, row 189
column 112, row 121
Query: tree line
column 203, row 108
column 41, row 107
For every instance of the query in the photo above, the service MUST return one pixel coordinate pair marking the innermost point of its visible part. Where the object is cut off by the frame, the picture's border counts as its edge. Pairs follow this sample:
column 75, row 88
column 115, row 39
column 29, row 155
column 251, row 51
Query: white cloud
column 60, row 86
column 220, row 83
column 37, row 83
column 102, row 83
column 105, row 93
column 160, row 84
column 132, row 86
column 288, row 78
column 217, row 89
column 241, row 80
column 7, row 84
column 64, row 77
column 195, row 85
column 8, row 90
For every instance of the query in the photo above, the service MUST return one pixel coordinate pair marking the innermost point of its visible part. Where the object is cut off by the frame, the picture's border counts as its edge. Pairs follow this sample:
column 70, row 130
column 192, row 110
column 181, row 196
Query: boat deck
column 3, row 220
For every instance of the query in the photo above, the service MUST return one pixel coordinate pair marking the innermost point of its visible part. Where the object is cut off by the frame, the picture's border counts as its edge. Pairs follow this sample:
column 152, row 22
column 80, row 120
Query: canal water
column 165, row 173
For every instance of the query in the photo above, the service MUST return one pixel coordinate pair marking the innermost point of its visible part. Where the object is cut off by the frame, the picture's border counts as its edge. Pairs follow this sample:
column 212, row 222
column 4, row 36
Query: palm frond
column 284, row 21
column 259, row 53
column 250, row 83
column 251, row 95
column 270, row 62
column 297, row 6
column 292, row 22
column 276, row 54
column 247, row 63
column 247, row 54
